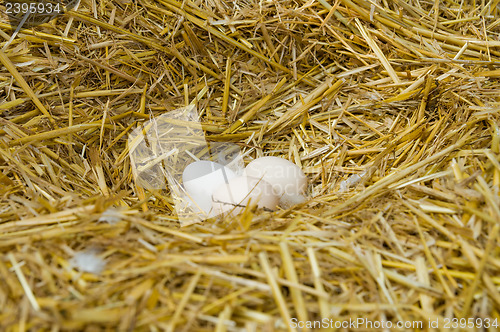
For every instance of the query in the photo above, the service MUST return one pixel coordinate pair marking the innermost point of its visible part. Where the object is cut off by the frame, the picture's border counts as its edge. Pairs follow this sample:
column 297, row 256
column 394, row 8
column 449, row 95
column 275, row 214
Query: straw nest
column 390, row 107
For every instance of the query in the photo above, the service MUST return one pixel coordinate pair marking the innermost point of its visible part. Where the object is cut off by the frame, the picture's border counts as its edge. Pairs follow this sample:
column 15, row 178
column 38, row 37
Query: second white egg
column 287, row 179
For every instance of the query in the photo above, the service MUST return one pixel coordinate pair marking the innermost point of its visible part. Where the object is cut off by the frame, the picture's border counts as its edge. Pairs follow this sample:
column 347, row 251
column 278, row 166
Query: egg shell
column 287, row 201
column 286, row 178
column 238, row 192
column 201, row 179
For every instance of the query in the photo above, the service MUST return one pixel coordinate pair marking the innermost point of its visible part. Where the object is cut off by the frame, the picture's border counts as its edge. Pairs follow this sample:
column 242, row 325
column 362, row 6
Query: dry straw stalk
column 390, row 107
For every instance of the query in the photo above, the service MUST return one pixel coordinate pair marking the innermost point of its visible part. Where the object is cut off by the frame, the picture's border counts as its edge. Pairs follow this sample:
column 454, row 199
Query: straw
column 390, row 108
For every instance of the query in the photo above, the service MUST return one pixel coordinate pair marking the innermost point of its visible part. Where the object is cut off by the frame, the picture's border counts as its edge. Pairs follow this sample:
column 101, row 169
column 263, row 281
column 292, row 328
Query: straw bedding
column 390, row 107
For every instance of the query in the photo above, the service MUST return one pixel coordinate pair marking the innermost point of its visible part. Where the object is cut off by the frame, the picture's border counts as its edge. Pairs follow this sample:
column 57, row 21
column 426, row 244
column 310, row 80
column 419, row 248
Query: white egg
column 287, row 179
column 236, row 195
column 201, row 179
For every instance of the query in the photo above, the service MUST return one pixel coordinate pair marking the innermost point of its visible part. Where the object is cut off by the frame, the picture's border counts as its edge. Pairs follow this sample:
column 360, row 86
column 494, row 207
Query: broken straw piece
column 111, row 216
column 351, row 181
column 88, row 261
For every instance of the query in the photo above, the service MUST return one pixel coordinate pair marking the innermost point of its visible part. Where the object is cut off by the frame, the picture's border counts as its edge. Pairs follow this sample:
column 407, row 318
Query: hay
column 391, row 108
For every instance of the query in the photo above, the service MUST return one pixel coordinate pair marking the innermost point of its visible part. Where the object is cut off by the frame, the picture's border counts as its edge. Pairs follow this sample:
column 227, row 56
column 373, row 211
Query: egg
column 201, row 179
column 239, row 192
column 287, row 179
